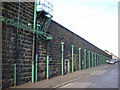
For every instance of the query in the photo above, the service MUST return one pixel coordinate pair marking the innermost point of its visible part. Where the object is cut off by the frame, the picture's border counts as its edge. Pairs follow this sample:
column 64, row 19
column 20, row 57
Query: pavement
column 103, row 78
column 62, row 80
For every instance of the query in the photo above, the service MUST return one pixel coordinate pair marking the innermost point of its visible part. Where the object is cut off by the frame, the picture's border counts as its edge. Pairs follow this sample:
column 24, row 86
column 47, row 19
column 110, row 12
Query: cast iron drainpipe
column 79, row 58
column 92, row 60
column 47, row 67
column 89, row 59
column 47, row 61
column 72, row 58
column 62, row 59
column 34, row 28
column 84, row 58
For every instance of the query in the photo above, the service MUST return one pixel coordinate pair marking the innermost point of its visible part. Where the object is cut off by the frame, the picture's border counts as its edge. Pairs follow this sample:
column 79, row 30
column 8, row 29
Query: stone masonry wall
column 62, row 34
column 0, row 49
column 17, row 47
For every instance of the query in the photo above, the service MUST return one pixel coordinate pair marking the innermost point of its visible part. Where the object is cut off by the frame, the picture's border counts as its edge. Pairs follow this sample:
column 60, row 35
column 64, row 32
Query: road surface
column 107, row 77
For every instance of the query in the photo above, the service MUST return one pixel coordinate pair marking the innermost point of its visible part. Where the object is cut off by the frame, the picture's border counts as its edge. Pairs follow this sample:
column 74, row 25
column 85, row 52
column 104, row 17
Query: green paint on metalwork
column 92, row 60
column 79, row 58
column 100, row 60
column 72, row 58
column 89, row 59
column 34, row 29
column 62, row 60
column 46, row 25
column 22, row 26
column 49, row 38
column 47, row 68
column 95, row 59
column 84, row 59
column 32, row 71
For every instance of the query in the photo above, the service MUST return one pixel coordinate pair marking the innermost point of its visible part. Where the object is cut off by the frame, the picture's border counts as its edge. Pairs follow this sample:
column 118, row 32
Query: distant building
column 113, row 56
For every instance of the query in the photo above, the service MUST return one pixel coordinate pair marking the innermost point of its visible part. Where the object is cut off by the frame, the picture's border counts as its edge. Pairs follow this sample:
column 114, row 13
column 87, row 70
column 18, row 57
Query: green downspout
column 34, row 28
column 89, row 59
column 47, row 67
column 84, row 59
column 92, row 60
column 100, row 59
column 72, row 58
column 14, row 74
column 62, row 60
column 32, row 71
column 104, row 59
column 95, row 59
column 35, row 14
column 79, row 58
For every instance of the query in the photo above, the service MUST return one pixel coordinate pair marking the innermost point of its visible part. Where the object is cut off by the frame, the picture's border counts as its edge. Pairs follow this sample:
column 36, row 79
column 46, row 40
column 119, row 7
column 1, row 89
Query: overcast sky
column 94, row 20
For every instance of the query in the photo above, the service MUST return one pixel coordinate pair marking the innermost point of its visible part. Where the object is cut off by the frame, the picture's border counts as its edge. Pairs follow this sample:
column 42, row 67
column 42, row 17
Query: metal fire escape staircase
column 12, row 14
column 43, row 8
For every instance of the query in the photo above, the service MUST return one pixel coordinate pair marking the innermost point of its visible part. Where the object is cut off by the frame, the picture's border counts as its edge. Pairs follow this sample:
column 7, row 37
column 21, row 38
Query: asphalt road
column 107, row 77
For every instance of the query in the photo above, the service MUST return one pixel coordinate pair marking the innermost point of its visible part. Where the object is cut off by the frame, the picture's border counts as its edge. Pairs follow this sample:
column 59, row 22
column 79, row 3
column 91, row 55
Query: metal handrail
column 44, row 5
